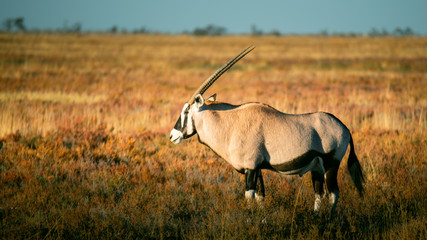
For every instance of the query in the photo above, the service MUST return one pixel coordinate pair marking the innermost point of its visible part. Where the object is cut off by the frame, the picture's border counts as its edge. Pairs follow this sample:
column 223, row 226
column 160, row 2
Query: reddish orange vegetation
column 84, row 124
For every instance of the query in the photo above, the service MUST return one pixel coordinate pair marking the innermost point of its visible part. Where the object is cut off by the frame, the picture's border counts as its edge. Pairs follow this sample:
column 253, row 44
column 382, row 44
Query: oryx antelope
column 255, row 136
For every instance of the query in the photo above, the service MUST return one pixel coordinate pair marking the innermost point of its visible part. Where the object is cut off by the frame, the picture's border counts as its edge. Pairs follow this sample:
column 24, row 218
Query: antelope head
column 184, row 127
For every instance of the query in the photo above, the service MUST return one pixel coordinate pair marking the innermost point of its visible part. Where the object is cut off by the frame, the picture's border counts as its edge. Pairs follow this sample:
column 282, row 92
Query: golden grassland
column 84, row 124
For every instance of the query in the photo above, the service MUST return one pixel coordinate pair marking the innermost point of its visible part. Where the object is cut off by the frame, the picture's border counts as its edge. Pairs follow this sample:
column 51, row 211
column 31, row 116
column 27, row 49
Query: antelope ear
column 199, row 100
column 212, row 98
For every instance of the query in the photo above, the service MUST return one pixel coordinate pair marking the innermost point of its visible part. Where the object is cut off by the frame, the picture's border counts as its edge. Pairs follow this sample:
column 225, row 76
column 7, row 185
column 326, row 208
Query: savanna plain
column 85, row 122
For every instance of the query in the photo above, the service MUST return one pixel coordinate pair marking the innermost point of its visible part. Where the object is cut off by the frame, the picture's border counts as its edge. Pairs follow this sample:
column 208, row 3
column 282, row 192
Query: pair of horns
column 202, row 89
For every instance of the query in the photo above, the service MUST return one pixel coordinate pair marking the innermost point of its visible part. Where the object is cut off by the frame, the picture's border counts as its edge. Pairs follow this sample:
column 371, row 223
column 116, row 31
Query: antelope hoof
column 249, row 195
column 259, row 198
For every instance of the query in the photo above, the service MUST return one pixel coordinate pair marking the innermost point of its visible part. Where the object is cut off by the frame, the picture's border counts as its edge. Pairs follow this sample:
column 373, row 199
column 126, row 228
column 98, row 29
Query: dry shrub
column 101, row 166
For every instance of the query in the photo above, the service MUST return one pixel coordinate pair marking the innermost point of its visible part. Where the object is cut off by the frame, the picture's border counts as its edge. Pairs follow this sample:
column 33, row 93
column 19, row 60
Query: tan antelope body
column 255, row 136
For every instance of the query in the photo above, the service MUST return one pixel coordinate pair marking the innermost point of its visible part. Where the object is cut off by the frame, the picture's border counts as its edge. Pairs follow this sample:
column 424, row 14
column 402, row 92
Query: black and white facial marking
column 184, row 127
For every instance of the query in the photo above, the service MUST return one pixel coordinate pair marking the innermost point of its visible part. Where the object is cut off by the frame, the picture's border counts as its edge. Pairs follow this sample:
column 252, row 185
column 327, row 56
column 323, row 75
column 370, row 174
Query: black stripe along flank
column 300, row 161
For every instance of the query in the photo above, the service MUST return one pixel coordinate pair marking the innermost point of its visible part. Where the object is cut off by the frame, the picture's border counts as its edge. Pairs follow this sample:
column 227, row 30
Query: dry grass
column 84, row 121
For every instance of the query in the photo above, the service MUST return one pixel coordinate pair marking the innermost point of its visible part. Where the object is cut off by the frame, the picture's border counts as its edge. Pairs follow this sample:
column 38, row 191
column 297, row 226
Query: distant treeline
column 18, row 25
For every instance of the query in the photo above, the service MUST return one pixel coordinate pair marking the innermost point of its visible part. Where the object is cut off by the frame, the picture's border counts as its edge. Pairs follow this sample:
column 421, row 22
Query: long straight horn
column 208, row 82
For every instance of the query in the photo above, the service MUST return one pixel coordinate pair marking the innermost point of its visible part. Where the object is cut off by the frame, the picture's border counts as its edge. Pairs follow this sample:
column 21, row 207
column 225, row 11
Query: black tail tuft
column 355, row 169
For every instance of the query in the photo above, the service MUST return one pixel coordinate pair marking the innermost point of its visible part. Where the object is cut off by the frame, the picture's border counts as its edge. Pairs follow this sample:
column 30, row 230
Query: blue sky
column 237, row 16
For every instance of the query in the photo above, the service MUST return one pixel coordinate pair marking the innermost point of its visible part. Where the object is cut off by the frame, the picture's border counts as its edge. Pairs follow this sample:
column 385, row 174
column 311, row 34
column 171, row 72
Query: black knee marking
column 260, row 190
column 331, row 179
column 318, row 182
column 251, row 179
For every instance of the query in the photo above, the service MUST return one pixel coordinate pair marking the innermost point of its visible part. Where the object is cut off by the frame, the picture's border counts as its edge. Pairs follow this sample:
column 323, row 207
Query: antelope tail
column 355, row 169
